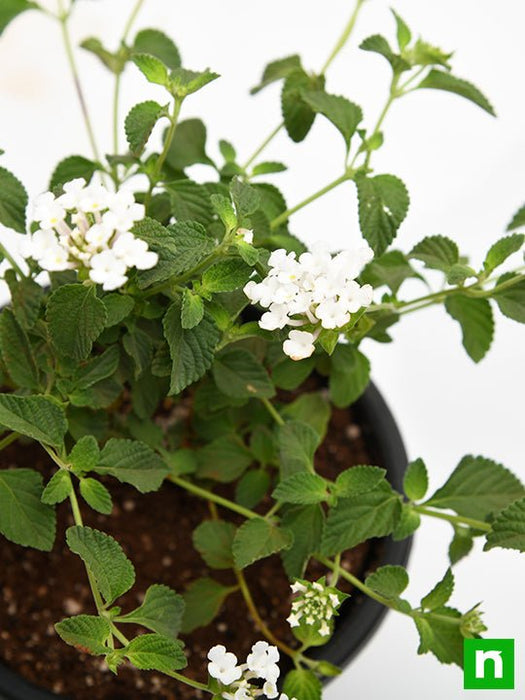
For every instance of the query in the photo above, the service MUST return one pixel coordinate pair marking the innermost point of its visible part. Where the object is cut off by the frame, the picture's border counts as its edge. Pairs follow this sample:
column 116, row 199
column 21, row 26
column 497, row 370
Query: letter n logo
column 488, row 663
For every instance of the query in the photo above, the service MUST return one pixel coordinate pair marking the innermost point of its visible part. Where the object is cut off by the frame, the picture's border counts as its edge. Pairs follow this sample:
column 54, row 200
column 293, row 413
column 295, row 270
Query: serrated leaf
column 161, row 611
column 156, row 43
column 358, row 479
column 478, row 487
column 203, row 598
column 297, row 445
column 297, row 114
column 226, row 276
column 113, row 571
column 185, row 82
column 96, row 495
column 57, row 488
column 257, row 539
column 408, row 523
column 85, row 454
column 501, row 250
column 518, row 220
column 477, row 323
column 461, row 544
column 508, row 529
column 152, row 68
column 118, row 307
column 76, row 318
column 139, row 124
column 511, row 301
column 188, row 146
column 440, row 594
column 153, row 652
column 343, row 114
column 268, row 168
column 277, row 70
column 13, row 196
column 306, row 525
column 378, row 44
column 192, row 311
column 437, row 252
column 245, row 197
column 252, row 487
column 356, row 519
column 302, row 488
column 190, row 201
column 87, row 633
column 72, row 168
column 224, row 208
column 224, row 459
column 404, row 35
column 38, row 417
column 441, row 637
column 289, row 374
column 115, row 62
column 391, row 269
column 312, row 408
column 383, row 205
column 139, row 346
column 26, row 298
column 389, row 581
column 132, row 462
column 24, row 519
column 415, row 481
column 350, row 375
column 238, row 374
column 303, row 685
column 442, row 80
column 17, row 353
column 97, row 368
column 213, row 540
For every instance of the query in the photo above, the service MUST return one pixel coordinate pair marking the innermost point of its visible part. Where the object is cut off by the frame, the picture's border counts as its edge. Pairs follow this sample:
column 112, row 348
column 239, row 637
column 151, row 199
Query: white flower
column 263, row 661
column 332, row 314
column 94, row 199
column 315, row 605
column 73, row 193
column 283, row 696
column 48, row 211
column 300, row 345
column 276, row 317
column 223, row 665
column 134, row 252
column 245, row 234
column 270, row 690
column 98, row 235
column 38, row 244
column 108, row 270
column 55, row 259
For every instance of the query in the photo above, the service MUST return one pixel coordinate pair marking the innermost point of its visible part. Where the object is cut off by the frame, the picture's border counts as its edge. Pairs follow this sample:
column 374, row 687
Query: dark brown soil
column 37, row 589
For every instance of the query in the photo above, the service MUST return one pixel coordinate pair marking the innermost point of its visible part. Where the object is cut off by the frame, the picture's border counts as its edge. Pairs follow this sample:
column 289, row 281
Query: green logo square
column 488, row 663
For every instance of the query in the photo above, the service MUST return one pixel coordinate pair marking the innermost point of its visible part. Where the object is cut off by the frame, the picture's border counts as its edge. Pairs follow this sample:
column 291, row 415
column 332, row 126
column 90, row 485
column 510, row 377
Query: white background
column 466, row 175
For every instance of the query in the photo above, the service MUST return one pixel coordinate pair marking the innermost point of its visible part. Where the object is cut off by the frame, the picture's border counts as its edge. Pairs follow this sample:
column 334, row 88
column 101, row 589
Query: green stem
column 347, row 31
column 63, row 18
column 454, row 519
column 7, row 255
column 263, row 145
column 5, row 442
column 273, row 411
column 155, row 177
column 210, row 496
column 343, row 573
column 275, row 223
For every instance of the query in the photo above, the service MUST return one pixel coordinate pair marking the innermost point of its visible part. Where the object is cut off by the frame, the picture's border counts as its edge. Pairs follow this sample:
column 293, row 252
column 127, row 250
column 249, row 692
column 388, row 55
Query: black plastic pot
column 360, row 616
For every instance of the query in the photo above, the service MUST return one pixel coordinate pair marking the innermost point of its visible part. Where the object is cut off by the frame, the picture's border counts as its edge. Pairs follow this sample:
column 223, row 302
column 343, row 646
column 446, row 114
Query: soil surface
column 39, row 588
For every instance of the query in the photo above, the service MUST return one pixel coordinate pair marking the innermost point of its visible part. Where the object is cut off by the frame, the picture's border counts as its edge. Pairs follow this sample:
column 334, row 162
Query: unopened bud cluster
column 315, row 605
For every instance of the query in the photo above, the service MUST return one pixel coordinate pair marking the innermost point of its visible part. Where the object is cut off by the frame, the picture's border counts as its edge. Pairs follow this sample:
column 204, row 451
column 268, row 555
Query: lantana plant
column 136, row 284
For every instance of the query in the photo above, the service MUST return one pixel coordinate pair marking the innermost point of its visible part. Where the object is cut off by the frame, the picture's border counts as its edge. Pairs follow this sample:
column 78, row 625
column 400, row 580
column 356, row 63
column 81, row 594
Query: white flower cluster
column 316, row 288
column 88, row 227
column 261, row 664
column 315, row 605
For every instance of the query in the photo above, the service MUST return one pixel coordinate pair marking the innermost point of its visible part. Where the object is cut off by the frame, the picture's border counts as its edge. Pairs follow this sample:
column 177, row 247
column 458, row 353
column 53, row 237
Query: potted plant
column 183, row 378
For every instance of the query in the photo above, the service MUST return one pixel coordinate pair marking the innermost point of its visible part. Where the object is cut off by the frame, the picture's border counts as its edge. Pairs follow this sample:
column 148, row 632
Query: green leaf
column 408, row 523
column 350, row 375
column 297, row 114
column 24, row 519
column 378, row 44
column 191, row 350
column 478, row 487
column 58, row 488
column 213, row 539
column 185, row 82
column 192, row 311
column 161, row 611
column 459, row 273
column 437, row 252
column 441, row 637
column 358, row 479
column 477, row 323
column 343, row 114
column 26, row 298
column 302, row 488
column 257, row 539
column 72, row 168
column 156, row 43
column 87, row 633
column 115, row 62
column 238, row 374
column 228, row 151
column 139, row 124
column 424, row 54
column 224, row 208
column 268, row 168
column 518, row 220
column 442, row 80
column 252, row 487
column 97, row 368
column 13, row 197
column 501, row 250
column 152, row 68
column 203, row 598
column 10, row 9
column 358, row 518
column 415, row 481
column 511, row 301
column 118, row 307
column 383, row 205
column 404, row 35
column 508, row 529
column 132, row 462
column 245, row 197
column 389, row 581
column 390, row 269
column 226, row 276
column 76, row 318
column 461, row 544
column 188, row 146
column 113, row 571
column 17, row 354
column 440, row 594
column 139, row 346
column 289, row 374
column 312, row 408
column 297, row 445
column 306, row 525
column 38, row 417
column 96, row 495
column 224, row 459
column 277, row 70
column 190, row 201
column 153, row 652
column 303, row 685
